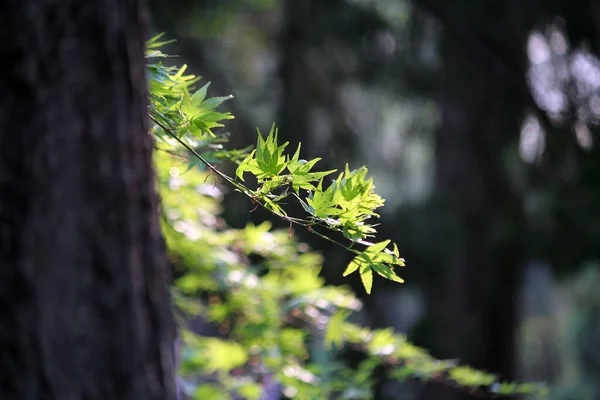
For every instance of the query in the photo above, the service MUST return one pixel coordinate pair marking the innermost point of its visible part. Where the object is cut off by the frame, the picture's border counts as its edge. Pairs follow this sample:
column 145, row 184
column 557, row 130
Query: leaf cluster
column 182, row 111
column 278, row 324
column 346, row 205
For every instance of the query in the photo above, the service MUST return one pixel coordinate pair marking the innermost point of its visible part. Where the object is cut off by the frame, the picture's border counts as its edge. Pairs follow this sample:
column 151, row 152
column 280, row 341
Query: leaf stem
column 246, row 191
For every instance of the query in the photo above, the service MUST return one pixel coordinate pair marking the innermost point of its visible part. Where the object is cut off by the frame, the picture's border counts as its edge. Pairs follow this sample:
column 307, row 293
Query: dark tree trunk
column 84, row 305
column 479, row 299
column 482, row 103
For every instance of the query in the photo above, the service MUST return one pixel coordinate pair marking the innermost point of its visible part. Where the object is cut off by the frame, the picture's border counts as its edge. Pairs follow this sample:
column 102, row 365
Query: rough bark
column 84, row 307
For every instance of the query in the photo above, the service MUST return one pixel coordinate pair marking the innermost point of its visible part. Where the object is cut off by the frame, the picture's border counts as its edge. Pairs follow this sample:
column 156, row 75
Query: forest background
column 478, row 121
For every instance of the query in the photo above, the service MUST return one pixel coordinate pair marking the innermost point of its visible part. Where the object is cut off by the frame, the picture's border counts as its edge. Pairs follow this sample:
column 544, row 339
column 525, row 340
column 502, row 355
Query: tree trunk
column 481, row 115
column 84, row 305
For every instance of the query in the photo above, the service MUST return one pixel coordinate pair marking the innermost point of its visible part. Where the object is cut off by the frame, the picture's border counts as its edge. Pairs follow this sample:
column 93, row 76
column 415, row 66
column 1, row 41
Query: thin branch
column 244, row 190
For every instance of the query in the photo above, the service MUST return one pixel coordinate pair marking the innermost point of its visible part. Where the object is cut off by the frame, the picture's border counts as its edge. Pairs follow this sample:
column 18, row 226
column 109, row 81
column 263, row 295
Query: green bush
column 279, row 324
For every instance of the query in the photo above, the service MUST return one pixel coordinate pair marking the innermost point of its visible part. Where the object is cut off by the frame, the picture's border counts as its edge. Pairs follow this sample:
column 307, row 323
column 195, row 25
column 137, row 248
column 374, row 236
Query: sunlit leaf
column 366, row 276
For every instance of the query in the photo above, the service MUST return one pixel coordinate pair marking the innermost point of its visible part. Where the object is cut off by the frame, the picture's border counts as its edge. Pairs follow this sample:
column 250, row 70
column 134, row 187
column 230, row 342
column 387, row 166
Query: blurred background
column 478, row 119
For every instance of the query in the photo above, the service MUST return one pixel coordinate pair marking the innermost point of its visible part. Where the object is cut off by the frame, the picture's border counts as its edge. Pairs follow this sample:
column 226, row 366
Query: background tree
column 85, row 308
column 488, row 93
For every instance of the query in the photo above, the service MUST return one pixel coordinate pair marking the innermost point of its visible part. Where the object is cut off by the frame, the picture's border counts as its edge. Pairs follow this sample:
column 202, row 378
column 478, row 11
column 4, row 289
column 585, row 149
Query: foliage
column 344, row 206
column 277, row 324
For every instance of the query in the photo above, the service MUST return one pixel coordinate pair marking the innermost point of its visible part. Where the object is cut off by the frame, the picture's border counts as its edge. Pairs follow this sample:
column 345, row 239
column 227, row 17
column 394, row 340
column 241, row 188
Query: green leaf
column 269, row 156
column 377, row 247
column 274, row 207
column 386, row 272
column 214, row 116
column 186, row 104
column 153, row 43
column 366, row 276
column 352, row 266
column 396, row 252
column 200, row 95
column 244, row 166
column 179, row 73
column 293, row 162
column 302, row 178
column 324, row 202
column 155, row 38
column 214, row 102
